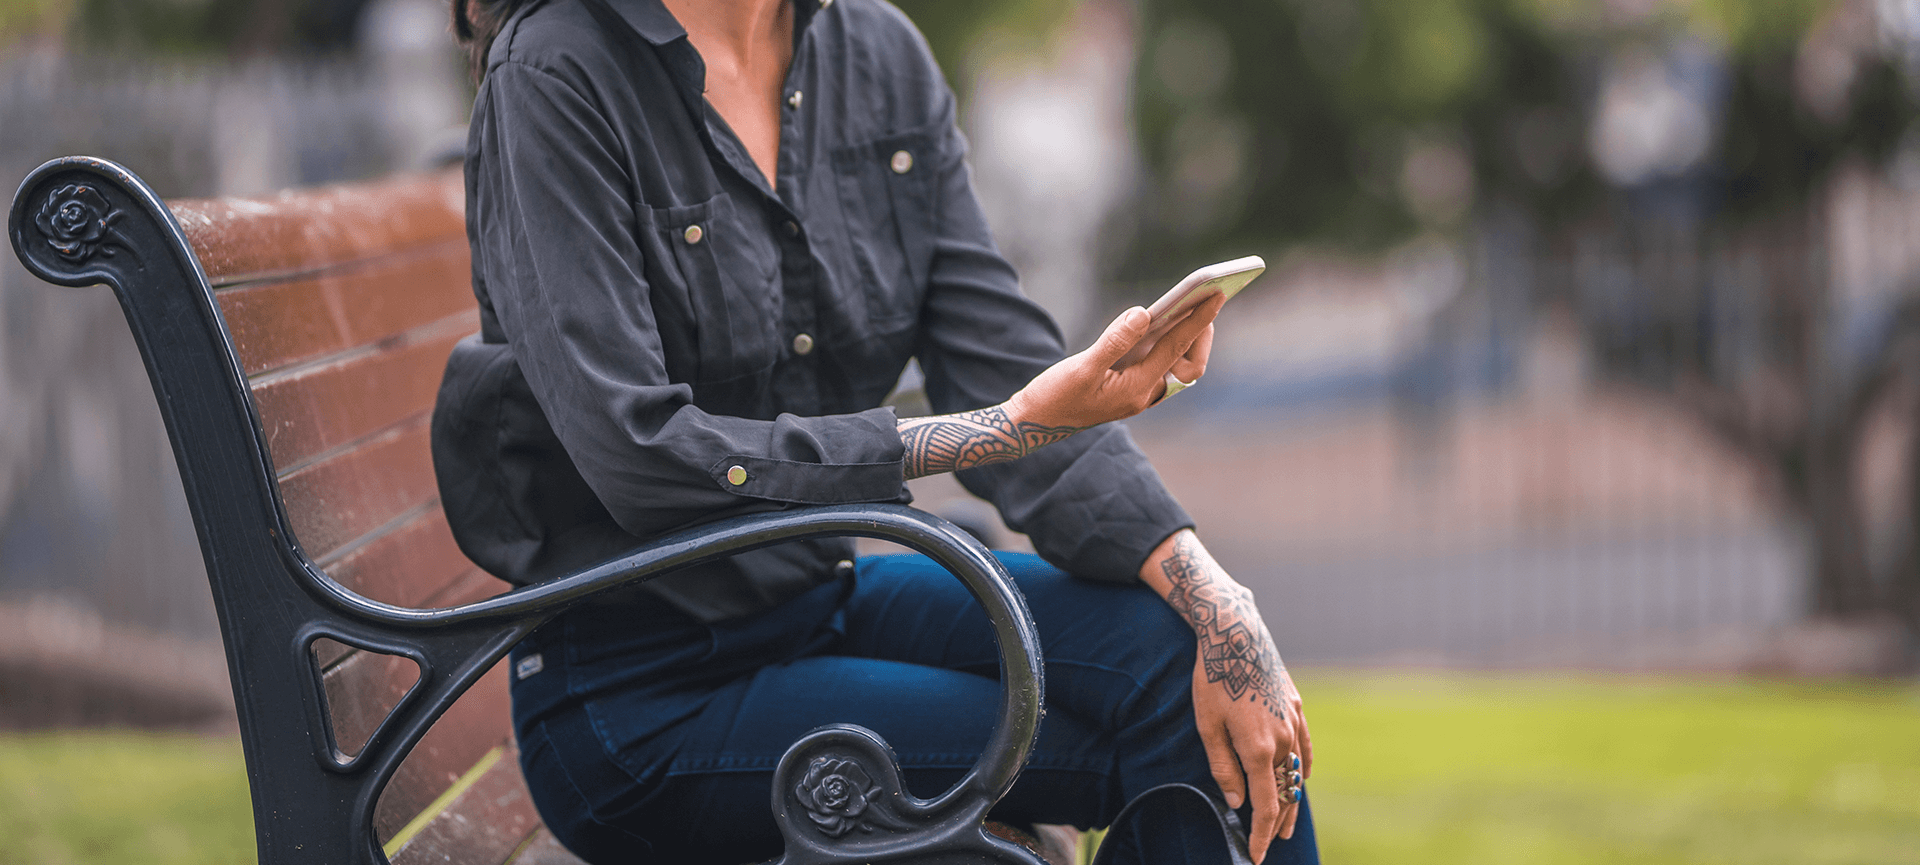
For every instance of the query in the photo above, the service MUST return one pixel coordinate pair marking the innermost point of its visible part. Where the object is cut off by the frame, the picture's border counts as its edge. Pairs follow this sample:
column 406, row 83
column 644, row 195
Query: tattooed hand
column 1248, row 710
column 1078, row 392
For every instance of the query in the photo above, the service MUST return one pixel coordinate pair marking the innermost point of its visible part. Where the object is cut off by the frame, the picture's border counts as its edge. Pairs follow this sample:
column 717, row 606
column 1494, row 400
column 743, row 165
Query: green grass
column 92, row 798
column 1412, row 769
column 1487, row 770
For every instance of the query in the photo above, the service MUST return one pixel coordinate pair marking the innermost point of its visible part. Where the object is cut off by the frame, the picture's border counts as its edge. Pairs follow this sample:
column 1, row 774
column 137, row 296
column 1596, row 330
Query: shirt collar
column 654, row 23
column 650, row 19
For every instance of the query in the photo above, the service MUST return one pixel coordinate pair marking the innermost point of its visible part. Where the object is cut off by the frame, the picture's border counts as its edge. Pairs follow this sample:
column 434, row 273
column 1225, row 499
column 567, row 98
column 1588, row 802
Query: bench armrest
column 955, row 549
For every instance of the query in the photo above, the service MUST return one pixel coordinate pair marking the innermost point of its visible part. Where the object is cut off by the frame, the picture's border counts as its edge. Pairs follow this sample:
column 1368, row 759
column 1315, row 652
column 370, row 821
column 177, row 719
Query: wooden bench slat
column 329, row 405
column 336, row 502
column 343, row 305
column 362, row 687
column 279, row 323
column 407, row 564
column 237, row 239
column 484, row 825
column 467, row 586
column 474, row 724
column 361, row 690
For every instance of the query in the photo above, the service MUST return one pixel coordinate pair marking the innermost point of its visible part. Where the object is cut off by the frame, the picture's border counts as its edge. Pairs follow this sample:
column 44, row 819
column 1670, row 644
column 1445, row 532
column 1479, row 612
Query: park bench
column 295, row 345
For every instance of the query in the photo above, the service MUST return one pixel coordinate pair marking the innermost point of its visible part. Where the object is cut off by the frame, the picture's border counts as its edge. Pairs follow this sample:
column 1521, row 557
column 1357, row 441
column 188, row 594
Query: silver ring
column 1289, row 778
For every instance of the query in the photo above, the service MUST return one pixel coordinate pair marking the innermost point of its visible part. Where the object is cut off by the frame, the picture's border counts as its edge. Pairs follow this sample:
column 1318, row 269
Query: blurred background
column 1568, row 443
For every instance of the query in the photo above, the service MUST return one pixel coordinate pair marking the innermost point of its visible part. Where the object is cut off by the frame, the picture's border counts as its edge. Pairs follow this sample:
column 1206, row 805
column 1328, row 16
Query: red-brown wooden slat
column 362, row 687
column 473, row 725
column 299, row 230
column 327, row 652
column 415, row 564
column 407, row 564
column 334, row 502
column 348, row 299
column 275, row 324
column 361, row 690
column 325, row 406
column 484, row 825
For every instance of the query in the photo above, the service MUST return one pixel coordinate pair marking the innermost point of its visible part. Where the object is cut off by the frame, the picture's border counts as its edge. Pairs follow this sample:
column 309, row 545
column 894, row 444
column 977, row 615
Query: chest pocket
column 886, row 189
column 719, row 284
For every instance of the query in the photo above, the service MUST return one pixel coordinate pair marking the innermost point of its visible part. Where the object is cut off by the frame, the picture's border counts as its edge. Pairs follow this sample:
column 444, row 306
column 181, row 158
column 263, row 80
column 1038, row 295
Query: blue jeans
column 647, row 737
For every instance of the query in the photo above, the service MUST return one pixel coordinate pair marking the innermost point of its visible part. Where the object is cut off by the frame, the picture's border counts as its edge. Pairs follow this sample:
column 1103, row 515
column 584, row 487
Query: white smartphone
column 1227, row 278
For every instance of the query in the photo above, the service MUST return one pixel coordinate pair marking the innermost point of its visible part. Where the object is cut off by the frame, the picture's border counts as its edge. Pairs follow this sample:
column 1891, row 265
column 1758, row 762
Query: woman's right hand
column 1083, row 390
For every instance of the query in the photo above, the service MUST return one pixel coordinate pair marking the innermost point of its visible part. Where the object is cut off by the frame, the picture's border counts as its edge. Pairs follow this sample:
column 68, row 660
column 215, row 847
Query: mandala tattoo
column 975, row 438
column 1235, row 648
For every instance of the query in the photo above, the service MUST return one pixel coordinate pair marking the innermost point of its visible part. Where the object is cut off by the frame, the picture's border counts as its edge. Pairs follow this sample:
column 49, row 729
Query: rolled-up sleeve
column 1092, row 504
column 556, row 238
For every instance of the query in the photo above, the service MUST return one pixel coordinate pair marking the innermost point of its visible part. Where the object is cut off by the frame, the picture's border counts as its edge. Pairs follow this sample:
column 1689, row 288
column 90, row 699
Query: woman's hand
column 1084, row 390
column 1248, row 709
column 1078, row 392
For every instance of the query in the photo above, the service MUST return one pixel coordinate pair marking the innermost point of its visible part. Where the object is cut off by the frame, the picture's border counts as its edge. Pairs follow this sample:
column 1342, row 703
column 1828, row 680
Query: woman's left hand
column 1248, row 710
column 1084, row 390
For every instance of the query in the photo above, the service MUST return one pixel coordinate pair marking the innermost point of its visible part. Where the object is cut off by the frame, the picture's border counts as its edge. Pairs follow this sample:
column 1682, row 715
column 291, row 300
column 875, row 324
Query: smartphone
column 1227, row 278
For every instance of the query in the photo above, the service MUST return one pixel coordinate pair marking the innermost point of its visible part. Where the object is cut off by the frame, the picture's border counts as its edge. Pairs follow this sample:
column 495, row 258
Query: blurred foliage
column 236, row 28
column 1273, row 121
column 956, row 31
column 23, row 18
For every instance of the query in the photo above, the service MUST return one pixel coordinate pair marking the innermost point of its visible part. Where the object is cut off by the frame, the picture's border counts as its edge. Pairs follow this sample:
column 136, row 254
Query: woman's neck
column 747, row 46
column 737, row 33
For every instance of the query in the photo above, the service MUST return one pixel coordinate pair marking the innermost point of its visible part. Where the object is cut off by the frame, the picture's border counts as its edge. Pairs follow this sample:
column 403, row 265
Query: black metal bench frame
column 81, row 221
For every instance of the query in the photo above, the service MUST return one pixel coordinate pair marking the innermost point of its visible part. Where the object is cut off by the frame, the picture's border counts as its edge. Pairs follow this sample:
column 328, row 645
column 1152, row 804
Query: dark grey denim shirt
column 654, row 314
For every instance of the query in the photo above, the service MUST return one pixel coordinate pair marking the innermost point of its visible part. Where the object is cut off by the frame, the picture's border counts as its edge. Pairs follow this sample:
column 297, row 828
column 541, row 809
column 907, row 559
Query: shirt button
column 803, row 344
column 794, row 100
column 902, row 162
column 737, row 475
column 793, row 228
column 694, row 233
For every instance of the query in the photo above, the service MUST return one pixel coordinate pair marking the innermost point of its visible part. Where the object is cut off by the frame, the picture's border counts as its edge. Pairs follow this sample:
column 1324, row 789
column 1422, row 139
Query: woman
column 707, row 236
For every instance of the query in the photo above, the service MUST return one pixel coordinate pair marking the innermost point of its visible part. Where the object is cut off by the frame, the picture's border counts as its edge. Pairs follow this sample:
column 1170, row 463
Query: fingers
column 1304, row 740
column 1192, row 365
column 1283, row 752
column 1119, row 338
column 1177, row 341
column 1221, row 762
column 1290, row 812
column 1258, row 763
column 1302, row 737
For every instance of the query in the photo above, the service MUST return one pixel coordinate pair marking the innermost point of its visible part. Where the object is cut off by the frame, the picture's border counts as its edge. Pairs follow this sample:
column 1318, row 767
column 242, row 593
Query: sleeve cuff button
column 737, row 475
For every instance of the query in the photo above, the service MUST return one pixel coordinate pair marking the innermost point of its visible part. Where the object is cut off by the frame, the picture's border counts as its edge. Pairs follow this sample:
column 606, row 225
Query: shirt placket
column 800, row 286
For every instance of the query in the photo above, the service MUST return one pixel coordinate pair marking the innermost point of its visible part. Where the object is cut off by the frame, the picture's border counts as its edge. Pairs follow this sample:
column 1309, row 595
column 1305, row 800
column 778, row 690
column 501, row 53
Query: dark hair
column 476, row 23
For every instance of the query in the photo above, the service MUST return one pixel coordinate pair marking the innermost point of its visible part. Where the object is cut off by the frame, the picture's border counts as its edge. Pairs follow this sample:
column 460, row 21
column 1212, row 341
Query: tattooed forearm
column 1235, row 648
column 975, row 438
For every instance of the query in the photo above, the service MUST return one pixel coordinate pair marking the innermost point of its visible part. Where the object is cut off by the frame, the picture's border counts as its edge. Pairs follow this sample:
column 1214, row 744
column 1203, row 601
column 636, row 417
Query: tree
column 1716, row 129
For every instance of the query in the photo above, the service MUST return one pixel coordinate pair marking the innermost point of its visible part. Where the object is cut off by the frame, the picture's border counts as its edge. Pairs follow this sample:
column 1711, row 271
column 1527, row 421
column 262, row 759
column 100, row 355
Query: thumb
column 1120, row 337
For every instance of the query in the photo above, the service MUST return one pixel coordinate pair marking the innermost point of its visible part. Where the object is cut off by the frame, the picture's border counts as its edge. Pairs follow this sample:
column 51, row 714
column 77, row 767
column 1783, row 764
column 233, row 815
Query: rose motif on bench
column 836, row 794
column 76, row 220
